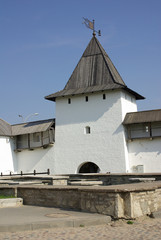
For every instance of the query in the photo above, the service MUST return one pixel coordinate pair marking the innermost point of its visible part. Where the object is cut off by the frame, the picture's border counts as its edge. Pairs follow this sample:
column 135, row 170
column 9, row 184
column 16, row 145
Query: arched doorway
column 89, row 167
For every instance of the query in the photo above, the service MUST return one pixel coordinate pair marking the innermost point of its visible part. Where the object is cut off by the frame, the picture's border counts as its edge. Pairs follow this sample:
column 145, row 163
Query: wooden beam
column 41, row 138
column 28, row 138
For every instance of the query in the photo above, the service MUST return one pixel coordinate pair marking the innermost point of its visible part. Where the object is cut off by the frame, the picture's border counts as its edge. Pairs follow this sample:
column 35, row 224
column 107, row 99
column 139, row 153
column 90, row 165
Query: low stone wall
column 145, row 203
column 11, row 202
column 119, row 201
column 115, row 178
column 8, row 191
column 50, row 196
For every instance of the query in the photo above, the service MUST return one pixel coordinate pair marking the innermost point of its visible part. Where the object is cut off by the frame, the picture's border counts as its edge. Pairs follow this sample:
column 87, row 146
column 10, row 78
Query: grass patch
column 4, row 197
column 81, row 225
column 130, row 222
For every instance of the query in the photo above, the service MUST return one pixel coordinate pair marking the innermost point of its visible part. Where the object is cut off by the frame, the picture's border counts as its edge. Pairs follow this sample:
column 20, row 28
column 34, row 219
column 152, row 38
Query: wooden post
column 129, row 132
column 34, row 172
column 29, row 141
column 150, row 130
column 48, row 171
column 41, row 138
column 16, row 142
column 21, row 173
column 49, row 136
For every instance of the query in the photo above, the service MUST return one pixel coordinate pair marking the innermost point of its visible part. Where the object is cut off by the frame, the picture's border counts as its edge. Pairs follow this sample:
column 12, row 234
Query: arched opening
column 89, row 167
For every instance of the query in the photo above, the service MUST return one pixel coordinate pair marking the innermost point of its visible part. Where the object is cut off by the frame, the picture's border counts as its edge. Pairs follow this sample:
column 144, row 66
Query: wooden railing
column 23, row 174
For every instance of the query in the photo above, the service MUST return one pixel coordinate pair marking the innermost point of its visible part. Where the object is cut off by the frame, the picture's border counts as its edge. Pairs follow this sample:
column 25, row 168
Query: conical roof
column 94, row 69
column 94, row 72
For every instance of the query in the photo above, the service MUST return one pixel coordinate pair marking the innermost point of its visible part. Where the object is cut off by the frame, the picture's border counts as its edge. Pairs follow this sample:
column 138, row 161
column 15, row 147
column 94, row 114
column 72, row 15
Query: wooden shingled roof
column 25, row 128
column 143, row 117
column 5, row 128
column 32, row 127
column 94, row 72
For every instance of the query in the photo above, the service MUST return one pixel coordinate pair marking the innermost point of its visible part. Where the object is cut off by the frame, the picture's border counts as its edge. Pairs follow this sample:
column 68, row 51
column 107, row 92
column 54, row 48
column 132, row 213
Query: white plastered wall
column 8, row 161
column 128, row 105
column 39, row 159
column 147, row 153
column 105, row 145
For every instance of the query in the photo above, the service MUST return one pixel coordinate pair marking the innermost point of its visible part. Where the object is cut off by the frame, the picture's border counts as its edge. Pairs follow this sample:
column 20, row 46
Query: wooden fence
column 23, row 174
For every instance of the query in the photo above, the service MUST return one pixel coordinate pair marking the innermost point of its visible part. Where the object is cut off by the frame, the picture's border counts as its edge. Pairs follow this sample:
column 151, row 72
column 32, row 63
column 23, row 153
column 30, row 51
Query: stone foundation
column 119, row 201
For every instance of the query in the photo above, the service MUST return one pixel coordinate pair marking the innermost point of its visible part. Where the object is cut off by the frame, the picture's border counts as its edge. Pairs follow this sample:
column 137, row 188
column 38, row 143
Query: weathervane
column 90, row 24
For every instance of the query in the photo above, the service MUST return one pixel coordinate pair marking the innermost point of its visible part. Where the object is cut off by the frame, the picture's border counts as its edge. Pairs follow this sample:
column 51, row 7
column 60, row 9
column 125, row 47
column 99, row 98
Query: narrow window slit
column 87, row 130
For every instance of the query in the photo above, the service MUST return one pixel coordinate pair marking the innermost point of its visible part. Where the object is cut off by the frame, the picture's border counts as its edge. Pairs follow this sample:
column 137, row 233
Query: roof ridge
column 5, row 128
column 4, row 121
column 104, row 53
column 104, row 57
column 32, row 122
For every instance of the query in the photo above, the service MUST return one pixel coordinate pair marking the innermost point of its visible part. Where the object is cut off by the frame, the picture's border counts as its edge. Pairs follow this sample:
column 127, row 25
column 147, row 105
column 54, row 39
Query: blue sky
column 42, row 41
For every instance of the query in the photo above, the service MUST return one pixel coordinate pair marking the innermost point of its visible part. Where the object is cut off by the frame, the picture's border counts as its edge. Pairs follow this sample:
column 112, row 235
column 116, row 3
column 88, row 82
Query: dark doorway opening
column 89, row 167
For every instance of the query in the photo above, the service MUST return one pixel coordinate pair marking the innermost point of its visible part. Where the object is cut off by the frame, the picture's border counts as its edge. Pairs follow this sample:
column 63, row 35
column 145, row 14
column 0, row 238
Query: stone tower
column 89, row 135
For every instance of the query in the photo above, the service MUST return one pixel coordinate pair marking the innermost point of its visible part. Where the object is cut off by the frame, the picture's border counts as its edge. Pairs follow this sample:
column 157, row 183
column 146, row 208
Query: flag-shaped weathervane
column 90, row 24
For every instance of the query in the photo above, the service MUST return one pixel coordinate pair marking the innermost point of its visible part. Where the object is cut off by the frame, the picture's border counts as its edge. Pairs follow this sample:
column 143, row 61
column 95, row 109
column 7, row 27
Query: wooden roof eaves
column 142, row 117
column 87, row 90
column 81, row 91
column 138, row 96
